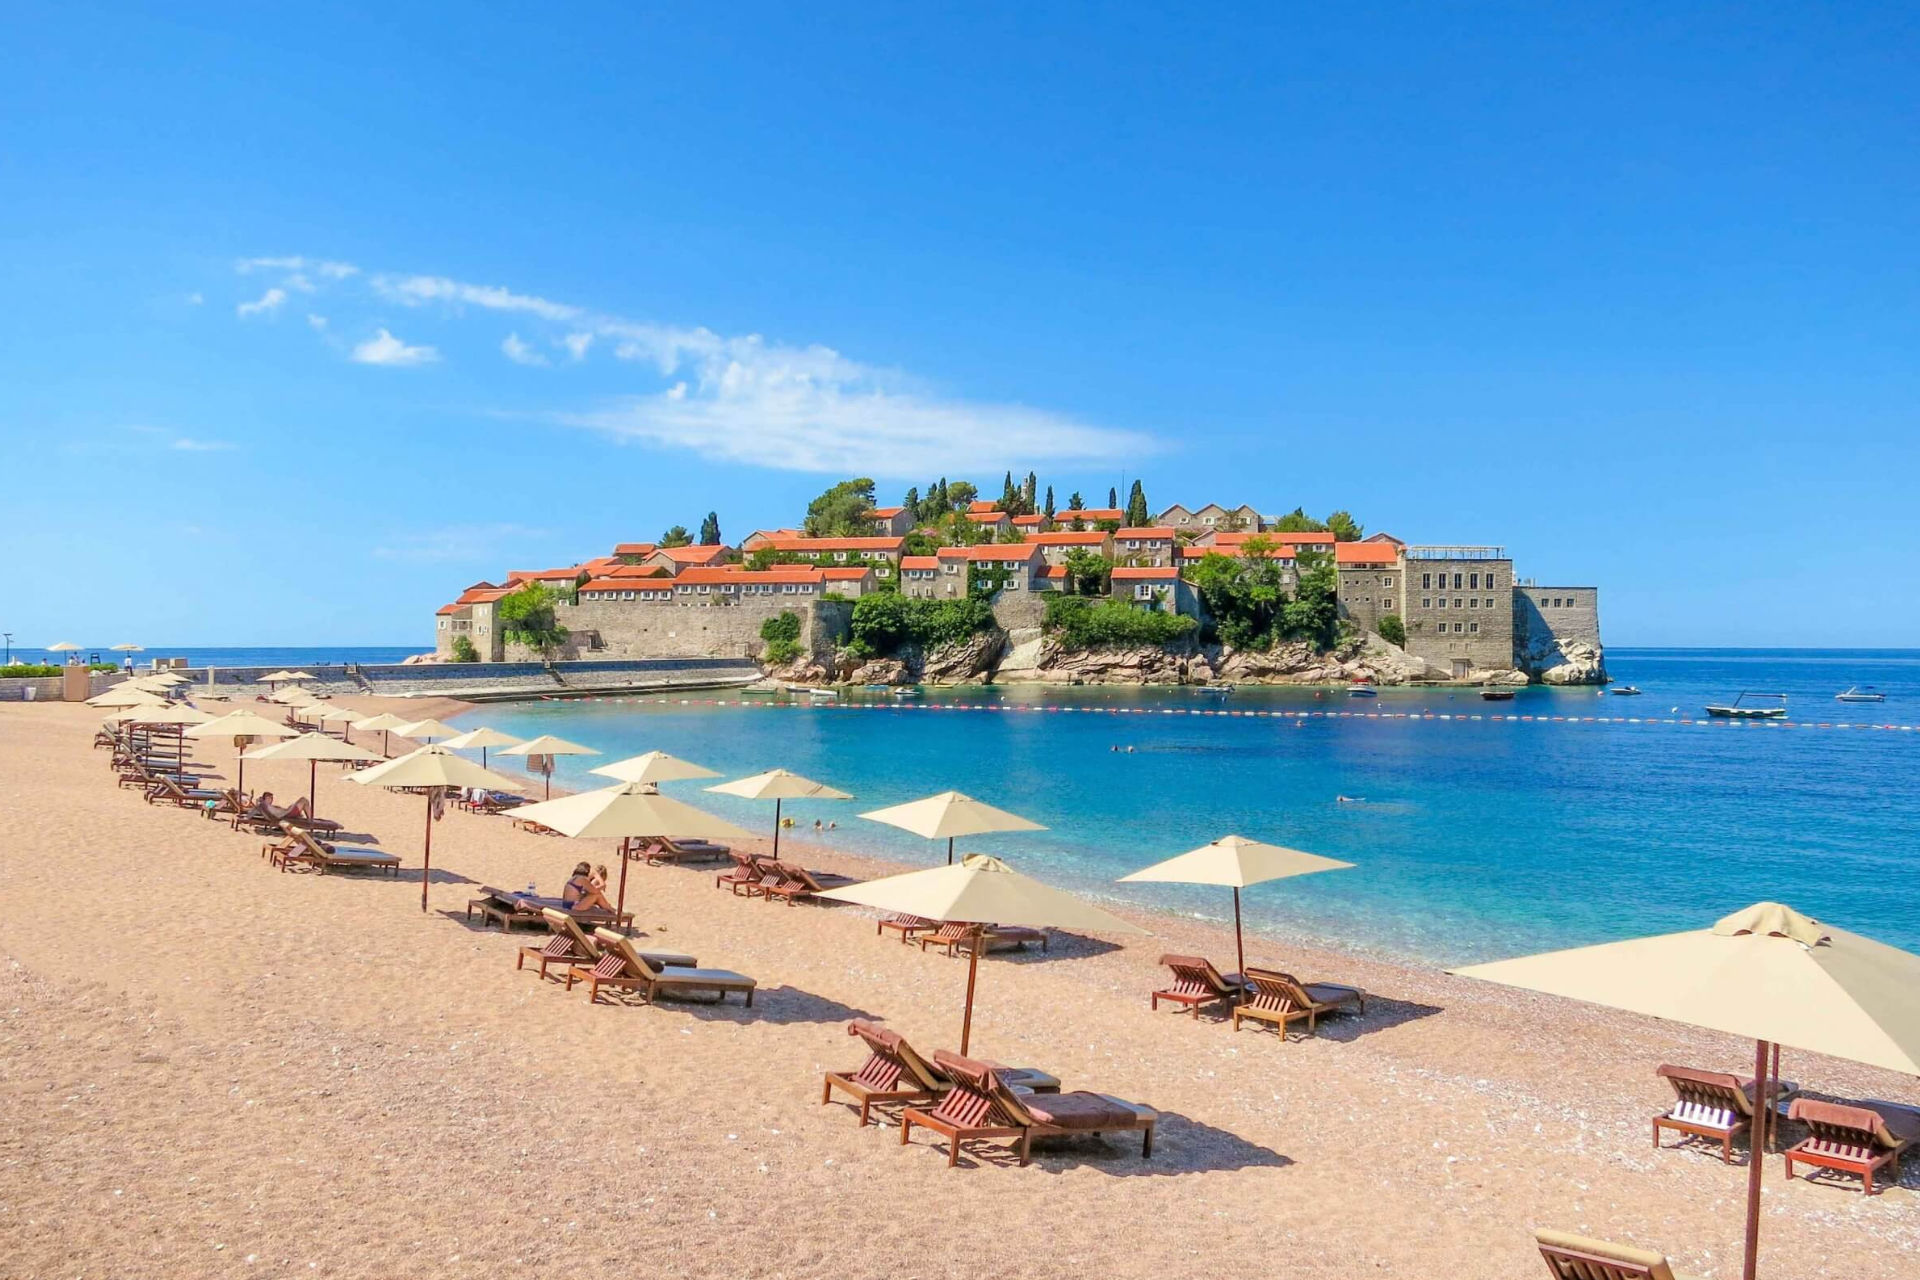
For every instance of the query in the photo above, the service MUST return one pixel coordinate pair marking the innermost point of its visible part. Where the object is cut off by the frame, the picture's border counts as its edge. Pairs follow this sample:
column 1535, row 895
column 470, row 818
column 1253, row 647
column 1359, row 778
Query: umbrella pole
column 950, row 863
column 1762, row 1114
column 776, row 828
column 620, row 906
column 313, row 776
column 973, row 971
column 426, row 860
column 1773, row 1115
column 1239, row 942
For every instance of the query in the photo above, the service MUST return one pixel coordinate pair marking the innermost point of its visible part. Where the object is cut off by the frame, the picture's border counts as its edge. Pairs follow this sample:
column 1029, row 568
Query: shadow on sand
column 1180, row 1146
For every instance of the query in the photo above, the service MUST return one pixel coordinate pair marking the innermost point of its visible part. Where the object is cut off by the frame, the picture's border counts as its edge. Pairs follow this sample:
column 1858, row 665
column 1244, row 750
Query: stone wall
column 600, row 629
column 52, row 688
column 1556, row 634
column 1014, row 610
column 1471, row 623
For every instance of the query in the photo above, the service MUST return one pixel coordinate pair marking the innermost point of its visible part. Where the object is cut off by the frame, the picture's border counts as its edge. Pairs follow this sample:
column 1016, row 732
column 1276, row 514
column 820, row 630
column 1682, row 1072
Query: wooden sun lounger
column 173, row 793
column 623, row 967
column 1196, row 982
column 797, row 883
column 1281, row 998
column 746, row 872
column 1712, row 1105
column 1860, row 1138
column 980, row 1105
column 1571, row 1257
column 660, row 851
column 572, row 946
column 957, row 937
column 906, row 926
column 230, row 804
column 895, row 1072
column 304, row 850
column 509, row 909
column 269, row 818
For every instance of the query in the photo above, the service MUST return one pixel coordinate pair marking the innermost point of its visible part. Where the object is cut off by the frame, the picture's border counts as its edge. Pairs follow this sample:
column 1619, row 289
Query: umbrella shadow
column 1181, row 1145
column 780, row 1005
column 437, row 876
column 1905, row 1175
column 1341, row 1027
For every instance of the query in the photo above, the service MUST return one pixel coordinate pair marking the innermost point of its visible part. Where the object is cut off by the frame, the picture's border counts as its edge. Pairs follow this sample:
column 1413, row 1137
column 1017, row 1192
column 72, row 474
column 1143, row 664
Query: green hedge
column 882, row 623
column 1084, row 623
column 782, row 635
column 28, row 670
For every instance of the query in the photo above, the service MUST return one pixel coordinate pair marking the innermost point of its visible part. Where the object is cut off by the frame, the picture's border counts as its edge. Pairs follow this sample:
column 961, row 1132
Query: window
column 1425, row 603
column 1473, row 580
column 1426, row 581
column 1490, row 582
column 1489, row 602
column 840, row 556
column 1473, row 602
column 1456, row 582
column 443, row 624
column 703, row 589
column 1387, row 581
column 1458, row 627
column 1473, row 627
column 1441, row 603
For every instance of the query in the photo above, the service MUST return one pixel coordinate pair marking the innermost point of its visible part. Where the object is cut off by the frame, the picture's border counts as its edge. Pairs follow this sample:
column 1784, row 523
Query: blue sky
column 315, row 320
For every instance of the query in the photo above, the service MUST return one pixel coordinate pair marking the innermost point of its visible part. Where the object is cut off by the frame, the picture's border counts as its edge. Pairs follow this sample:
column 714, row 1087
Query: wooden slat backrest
column 884, row 1066
column 977, row 1099
column 622, row 948
column 952, row 931
column 1570, row 1265
column 1277, row 992
column 1717, row 1090
column 566, row 926
column 1194, row 976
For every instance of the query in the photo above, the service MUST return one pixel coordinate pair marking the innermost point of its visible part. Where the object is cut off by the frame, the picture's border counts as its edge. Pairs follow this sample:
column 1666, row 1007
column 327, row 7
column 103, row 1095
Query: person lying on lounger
column 585, row 891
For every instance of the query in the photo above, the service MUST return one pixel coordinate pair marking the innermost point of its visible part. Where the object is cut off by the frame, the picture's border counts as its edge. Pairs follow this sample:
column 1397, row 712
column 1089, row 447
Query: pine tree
column 1137, row 514
column 710, row 530
column 912, row 501
column 1075, row 502
column 1009, row 496
column 1049, row 507
column 1113, row 498
column 1029, row 495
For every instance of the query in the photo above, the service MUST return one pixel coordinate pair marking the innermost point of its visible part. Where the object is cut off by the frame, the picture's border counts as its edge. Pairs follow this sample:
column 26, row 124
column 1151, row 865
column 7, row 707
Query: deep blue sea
column 1473, row 837
column 201, row 656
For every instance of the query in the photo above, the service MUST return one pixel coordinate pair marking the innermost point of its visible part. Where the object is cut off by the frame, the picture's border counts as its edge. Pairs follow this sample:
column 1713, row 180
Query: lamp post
column 8, row 660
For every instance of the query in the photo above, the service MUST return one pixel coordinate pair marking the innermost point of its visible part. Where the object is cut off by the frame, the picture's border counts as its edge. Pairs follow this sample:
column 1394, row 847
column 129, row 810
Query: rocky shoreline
column 1025, row 655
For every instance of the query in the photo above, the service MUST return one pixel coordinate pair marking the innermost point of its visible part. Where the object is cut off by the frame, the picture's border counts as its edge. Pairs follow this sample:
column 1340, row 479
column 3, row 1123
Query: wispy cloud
column 747, row 399
column 520, row 352
column 268, row 303
column 195, row 299
column 384, row 348
column 319, row 267
column 167, row 439
column 318, row 322
column 469, row 543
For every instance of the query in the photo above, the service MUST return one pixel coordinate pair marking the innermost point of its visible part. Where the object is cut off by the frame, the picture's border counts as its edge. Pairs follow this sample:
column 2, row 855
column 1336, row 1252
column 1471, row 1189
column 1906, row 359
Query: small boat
column 1224, row 690
column 1739, row 710
column 1859, row 694
column 906, row 693
column 1624, row 691
column 877, row 688
column 1497, row 695
column 1361, row 689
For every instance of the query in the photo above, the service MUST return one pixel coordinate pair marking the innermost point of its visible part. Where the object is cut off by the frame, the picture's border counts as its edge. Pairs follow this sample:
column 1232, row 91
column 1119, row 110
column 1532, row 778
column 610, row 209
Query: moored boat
column 1624, row 691
column 1860, row 694
column 1497, row 695
column 1739, row 709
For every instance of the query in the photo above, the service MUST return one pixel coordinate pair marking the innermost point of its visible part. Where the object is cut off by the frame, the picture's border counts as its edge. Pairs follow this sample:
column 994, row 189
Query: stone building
column 1149, row 547
column 1057, row 544
column 1457, row 605
column 1210, row 517
column 1151, row 587
column 891, row 522
column 472, row 616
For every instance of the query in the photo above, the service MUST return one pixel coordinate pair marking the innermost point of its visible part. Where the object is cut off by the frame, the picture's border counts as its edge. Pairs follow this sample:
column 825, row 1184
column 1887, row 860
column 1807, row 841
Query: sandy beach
column 215, row 1069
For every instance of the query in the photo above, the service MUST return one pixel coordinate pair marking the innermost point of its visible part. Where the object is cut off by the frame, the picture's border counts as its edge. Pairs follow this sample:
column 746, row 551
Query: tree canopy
column 527, row 617
column 676, row 537
column 841, row 512
column 1137, row 514
column 710, row 530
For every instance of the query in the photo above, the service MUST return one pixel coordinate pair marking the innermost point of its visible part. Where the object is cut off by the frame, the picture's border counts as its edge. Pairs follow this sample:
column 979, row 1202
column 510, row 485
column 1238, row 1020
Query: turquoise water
column 240, row 656
column 1475, row 837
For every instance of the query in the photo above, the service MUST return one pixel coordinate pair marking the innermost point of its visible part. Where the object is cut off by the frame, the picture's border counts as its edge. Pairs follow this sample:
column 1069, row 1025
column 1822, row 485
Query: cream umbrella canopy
column 432, row 767
column 653, row 766
column 167, row 713
column 1767, row 972
column 313, row 748
column 240, row 724
column 386, row 722
column 548, row 745
column 625, row 811
column 428, row 729
column 980, row 890
column 295, row 697
column 1237, row 862
column 951, row 814
column 342, row 715
column 778, row 785
column 129, row 648
column 63, row 646
column 482, row 738
column 122, row 696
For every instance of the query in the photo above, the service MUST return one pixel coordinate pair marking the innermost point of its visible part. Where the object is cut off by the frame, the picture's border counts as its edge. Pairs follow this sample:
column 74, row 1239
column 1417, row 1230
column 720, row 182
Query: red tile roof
column 695, row 554
column 983, row 508
column 1001, row 551
column 919, row 562
column 1162, row 532
column 635, row 548
column 542, row 575
column 1200, row 553
column 482, row 595
column 845, row 573
column 628, row 584
column 1092, row 513
column 1024, row 521
column 1128, row 572
column 1364, row 553
column 635, row 571
column 780, row 573
column 885, row 513
column 455, row 607
column 806, row 545
column 1299, row 539
column 1052, row 571
column 1068, row 538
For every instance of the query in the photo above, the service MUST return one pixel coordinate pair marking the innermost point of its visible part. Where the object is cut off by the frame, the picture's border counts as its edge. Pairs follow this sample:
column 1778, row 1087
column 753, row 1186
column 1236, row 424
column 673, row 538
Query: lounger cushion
column 1084, row 1112
column 362, row 855
column 1893, row 1126
column 707, row 978
column 1026, row 1078
column 1330, row 993
column 1655, row 1263
column 669, row 960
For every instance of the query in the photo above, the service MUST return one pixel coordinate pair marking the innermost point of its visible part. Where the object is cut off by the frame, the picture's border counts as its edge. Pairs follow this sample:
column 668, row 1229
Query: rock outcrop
column 969, row 661
column 805, row 669
column 1565, row 662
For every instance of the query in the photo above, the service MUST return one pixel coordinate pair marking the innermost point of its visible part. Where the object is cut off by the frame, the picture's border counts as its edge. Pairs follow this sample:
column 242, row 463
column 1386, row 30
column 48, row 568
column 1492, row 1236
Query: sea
column 1476, row 829
column 236, row 656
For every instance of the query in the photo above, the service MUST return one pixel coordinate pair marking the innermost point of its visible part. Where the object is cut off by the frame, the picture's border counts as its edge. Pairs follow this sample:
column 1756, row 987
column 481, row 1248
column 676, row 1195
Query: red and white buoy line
column 1027, row 708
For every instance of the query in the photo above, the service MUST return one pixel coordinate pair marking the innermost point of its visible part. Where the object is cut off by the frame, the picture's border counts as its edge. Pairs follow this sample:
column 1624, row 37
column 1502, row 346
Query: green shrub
column 1083, row 623
column 463, row 650
column 781, row 633
column 883, row 623
column 1393, row 630
column 29, row 669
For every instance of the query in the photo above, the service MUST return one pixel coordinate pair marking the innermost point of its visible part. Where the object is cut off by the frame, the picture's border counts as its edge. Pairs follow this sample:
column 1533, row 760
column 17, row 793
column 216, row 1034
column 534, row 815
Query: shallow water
column 1474, row 837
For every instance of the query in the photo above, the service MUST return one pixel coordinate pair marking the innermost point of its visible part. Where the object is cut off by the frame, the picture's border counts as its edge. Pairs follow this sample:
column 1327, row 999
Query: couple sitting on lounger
column 587, row 889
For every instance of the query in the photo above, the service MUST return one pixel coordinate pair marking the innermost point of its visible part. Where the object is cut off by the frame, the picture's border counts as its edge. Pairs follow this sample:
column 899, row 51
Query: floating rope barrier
column 1262, row 714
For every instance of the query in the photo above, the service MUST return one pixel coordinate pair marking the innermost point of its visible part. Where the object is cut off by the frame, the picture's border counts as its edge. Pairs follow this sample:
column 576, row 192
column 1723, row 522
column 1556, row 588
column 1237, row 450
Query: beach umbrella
column 980, row 890
column 166, row 713
column 1237, row 862
column 427, row 729
column 777, row 785
column 239, row 724
column 63, row 646
column 482, row 738
column 292, row 697
column 298, row 675
column 432, row 767
column 386, row 722
column 129, row 648
column 123, row 695
column 276, row 677
column 313, row 748
column 629, row 810
column 342, row 715
column 653, row 766
column 951, row 814
column 549, row 746
column 1767, row 973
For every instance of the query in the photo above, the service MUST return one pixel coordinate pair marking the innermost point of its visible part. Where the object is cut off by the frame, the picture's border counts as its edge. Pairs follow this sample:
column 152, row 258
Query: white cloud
column 577, row 344
column 328, row 270
column 187, row 444
column 521, row 353
column 414, row 291
column 386, row 349
column 268, row 303
column 195, row 299
column 318, row 322
column 468, row 543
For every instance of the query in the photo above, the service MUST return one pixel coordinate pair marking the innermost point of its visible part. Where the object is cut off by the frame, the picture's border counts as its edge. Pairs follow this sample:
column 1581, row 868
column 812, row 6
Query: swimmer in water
column 1350, row 799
